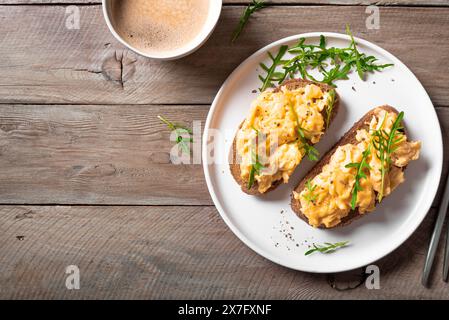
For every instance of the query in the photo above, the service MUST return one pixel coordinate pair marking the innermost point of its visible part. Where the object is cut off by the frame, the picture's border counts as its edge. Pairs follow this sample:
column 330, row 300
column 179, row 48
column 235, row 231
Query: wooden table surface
column 85, row 174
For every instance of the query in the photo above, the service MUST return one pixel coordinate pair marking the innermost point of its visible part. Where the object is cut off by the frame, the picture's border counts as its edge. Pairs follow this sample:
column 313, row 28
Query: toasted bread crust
column 348, row 138
column 233, row 163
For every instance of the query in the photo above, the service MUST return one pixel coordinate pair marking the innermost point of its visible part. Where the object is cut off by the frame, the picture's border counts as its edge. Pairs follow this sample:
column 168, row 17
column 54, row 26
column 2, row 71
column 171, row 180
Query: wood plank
column 301, row 2
column 43, row 62
column 95, row 154
column 59, row 154
column 177, row 253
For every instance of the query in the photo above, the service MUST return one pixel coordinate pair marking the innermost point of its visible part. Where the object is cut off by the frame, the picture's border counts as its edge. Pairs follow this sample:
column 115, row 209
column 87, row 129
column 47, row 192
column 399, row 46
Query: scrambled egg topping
column 272, row 125
column 332, row 194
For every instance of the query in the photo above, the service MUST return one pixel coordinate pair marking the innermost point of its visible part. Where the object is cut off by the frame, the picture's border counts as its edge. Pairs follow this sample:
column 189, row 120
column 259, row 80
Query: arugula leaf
column 385, row 143
column 256, row 166
column 249, row 10
column 355, row 53
column 332, row 63
column 310, row 196
column 330, row 107
column 322, row 42
column 181, row 131
column 271, row 76
column 360, row 174
column 327, row 248
column 310, row 151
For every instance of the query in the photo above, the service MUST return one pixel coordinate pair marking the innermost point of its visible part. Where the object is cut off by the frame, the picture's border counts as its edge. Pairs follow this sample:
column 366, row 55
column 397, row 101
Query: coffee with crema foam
column 159, row 26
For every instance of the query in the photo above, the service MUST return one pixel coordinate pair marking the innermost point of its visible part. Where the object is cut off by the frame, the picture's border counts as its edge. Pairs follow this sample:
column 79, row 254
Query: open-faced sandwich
column 283, row 125
column 365, row 166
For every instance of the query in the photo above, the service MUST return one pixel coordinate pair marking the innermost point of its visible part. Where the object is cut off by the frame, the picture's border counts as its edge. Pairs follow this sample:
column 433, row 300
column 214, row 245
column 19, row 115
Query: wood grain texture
column 96, row 155
column 174, row 252
column 103, row 155
column 44, row 62
column 78, row 126
column 309, row 2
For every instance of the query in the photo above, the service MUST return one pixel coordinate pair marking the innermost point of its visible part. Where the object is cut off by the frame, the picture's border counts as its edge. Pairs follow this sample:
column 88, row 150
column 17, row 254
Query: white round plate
column 267, row 224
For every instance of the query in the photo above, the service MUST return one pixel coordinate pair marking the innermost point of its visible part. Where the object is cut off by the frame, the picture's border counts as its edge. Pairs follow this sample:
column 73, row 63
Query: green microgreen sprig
column 330, row 107
column 327, row 247
column 310, row 196
column 385, row 143
column 272, row 75
column 181, row 132
column 310, row 151
column 332, row 63
column 249, row 10
column 256, row 166
column 360, row 174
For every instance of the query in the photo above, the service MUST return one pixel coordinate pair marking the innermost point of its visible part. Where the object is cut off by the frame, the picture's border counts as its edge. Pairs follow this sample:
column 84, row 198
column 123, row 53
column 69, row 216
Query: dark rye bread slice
column 233, row 163
column 348, row 138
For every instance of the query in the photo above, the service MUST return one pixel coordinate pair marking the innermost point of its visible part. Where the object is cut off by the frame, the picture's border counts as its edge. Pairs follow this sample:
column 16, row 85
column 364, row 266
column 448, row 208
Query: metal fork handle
column 436, row 236
column 446, row 257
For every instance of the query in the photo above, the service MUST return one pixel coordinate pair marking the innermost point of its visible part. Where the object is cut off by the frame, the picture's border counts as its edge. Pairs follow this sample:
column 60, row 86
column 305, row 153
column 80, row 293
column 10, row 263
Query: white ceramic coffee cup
column 197, row 42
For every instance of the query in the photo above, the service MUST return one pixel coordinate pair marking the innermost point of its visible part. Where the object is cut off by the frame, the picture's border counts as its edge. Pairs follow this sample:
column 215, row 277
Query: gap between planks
column 81, row 66
column 184, row 253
